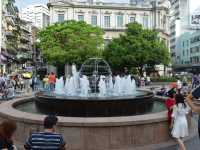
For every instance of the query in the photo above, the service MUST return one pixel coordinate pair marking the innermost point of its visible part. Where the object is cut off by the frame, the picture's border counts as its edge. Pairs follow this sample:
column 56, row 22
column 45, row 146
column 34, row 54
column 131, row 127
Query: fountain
column 96, row 111
column 93, row 91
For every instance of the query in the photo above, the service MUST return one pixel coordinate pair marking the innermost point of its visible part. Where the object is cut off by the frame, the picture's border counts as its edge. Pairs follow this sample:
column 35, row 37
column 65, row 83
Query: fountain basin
column 94, row 106
column 149, row 131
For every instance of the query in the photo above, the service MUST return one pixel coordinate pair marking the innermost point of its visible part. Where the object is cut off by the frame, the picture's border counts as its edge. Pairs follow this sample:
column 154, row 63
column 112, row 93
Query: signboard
column 195, row 20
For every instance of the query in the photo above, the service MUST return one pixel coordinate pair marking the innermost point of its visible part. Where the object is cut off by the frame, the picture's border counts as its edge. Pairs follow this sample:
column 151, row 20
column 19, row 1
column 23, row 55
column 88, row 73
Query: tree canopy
column 137, row 47
column 70, row 42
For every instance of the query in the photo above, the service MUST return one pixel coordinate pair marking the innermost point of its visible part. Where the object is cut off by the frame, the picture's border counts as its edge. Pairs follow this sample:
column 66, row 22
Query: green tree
column 137, row 47
column 70, row 42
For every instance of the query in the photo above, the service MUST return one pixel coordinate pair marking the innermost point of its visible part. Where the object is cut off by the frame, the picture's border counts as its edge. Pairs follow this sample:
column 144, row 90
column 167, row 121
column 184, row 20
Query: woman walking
column 180, row 124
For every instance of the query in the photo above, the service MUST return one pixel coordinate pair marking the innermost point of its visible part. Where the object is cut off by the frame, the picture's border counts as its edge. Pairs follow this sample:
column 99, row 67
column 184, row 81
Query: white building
column 113, row 17
column 184, row 27
column 179, row 22
column 37, row 14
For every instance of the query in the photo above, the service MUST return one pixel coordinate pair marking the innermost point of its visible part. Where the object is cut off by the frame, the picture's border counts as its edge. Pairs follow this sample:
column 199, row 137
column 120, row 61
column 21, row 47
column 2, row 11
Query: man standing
column 52, row 81
column 48, row 139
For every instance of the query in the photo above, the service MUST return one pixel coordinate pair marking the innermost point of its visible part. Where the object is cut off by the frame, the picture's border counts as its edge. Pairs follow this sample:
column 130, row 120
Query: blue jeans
column 52, row 86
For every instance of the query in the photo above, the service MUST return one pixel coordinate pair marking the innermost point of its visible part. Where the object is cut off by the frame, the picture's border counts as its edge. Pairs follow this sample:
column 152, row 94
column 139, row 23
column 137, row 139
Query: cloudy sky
column 23, row 3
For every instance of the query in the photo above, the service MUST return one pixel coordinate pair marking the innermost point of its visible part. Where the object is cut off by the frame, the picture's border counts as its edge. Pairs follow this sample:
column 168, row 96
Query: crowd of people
column 49, row 82
column 11, row 84
column 179, row 105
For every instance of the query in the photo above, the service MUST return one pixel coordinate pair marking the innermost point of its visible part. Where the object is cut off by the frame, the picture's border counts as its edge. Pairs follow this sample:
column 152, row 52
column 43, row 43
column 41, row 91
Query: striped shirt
column 45, row 141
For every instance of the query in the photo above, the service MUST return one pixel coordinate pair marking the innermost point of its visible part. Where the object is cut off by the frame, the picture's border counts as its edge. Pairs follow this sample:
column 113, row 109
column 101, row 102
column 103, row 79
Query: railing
column 25, row 47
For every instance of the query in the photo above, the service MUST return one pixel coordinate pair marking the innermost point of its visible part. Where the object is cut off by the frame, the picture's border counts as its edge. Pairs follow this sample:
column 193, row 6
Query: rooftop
column 135, row 3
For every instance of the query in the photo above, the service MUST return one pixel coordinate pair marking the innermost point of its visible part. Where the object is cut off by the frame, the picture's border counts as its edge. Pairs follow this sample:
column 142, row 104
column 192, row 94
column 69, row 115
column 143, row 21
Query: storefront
column 3, row 62
column 6, row 62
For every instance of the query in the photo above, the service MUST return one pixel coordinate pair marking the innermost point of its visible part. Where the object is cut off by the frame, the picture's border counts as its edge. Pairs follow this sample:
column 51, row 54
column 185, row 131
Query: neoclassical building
column 113, row 17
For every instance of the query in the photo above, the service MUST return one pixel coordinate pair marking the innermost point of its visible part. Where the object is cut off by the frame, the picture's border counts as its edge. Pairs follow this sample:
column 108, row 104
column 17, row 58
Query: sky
column 23, row 3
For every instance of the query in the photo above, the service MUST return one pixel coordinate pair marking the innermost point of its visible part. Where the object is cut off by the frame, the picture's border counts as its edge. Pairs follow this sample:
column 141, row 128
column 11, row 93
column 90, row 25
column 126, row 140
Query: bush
column 163, row 79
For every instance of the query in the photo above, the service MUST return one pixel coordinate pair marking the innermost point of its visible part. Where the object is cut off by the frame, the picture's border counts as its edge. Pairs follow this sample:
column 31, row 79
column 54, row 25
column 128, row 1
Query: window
column 94, row 20
column 145, row 21
column 120, row 21
column 106, row 21
column 158, row 19
column 132, row 19
column 80, row 17
column 61, row 17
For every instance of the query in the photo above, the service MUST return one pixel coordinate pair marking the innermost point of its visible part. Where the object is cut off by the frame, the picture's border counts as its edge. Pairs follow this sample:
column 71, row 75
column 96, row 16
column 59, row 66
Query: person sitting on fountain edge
column 48, row 139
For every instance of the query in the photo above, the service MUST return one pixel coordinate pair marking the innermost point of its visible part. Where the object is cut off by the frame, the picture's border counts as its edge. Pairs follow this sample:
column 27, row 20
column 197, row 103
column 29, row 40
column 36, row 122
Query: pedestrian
column 48, row 139
column 34, row 83
column 45, row 82
column 148, row 79
column 52, row 81
column 21, row 82
column 29, row 85
column 195, row 81
column 169, row 103
column 180, row 124
column 8, row 90
column 7, row 130
column 142, row 81
column 179, row 84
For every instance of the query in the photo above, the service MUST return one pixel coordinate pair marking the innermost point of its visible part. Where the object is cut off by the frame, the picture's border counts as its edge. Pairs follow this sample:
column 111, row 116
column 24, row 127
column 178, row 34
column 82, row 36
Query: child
column 169, row 103
column 180, row 124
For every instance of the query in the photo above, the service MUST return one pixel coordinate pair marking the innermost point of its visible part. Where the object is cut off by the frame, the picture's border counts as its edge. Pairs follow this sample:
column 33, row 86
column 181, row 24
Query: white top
column 180, row 126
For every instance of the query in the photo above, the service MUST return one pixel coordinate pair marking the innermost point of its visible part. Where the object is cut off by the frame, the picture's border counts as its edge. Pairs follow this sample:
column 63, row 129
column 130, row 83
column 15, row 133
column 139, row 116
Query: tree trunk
column 165, row 70
column 141, row 71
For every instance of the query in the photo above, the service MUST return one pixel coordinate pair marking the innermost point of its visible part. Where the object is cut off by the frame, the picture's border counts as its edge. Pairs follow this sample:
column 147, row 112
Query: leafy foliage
column 138, row 47
column 70, row 42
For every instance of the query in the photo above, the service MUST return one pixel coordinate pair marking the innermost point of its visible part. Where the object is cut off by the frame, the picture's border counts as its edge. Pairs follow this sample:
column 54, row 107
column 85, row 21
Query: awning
column 3, row 58
column 8, row 56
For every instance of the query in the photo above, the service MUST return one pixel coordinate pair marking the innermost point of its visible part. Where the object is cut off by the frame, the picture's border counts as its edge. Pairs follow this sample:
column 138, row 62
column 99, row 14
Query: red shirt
column 169, row 103
column 52, row 78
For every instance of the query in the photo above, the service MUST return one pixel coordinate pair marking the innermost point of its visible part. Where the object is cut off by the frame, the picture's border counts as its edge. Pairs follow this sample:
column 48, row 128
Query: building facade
column 184, row 32
column 37, row 14
column 25, row 52
column 195, row 48
column 179, row 22
column 9, row 34
column 113, row 17
column 16, row 47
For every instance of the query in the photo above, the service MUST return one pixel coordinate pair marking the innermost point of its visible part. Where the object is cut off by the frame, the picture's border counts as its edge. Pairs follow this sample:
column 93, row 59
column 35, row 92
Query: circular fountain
column 94, row 92
column 96, row 111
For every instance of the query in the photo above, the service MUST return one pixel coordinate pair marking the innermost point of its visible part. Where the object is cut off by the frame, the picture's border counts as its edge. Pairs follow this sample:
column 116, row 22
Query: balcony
column 25, row 28
column 9, row 33
column 25, row 38
column 24, row 56
column 10, row 20
column 114, row 28
column 24, row 47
